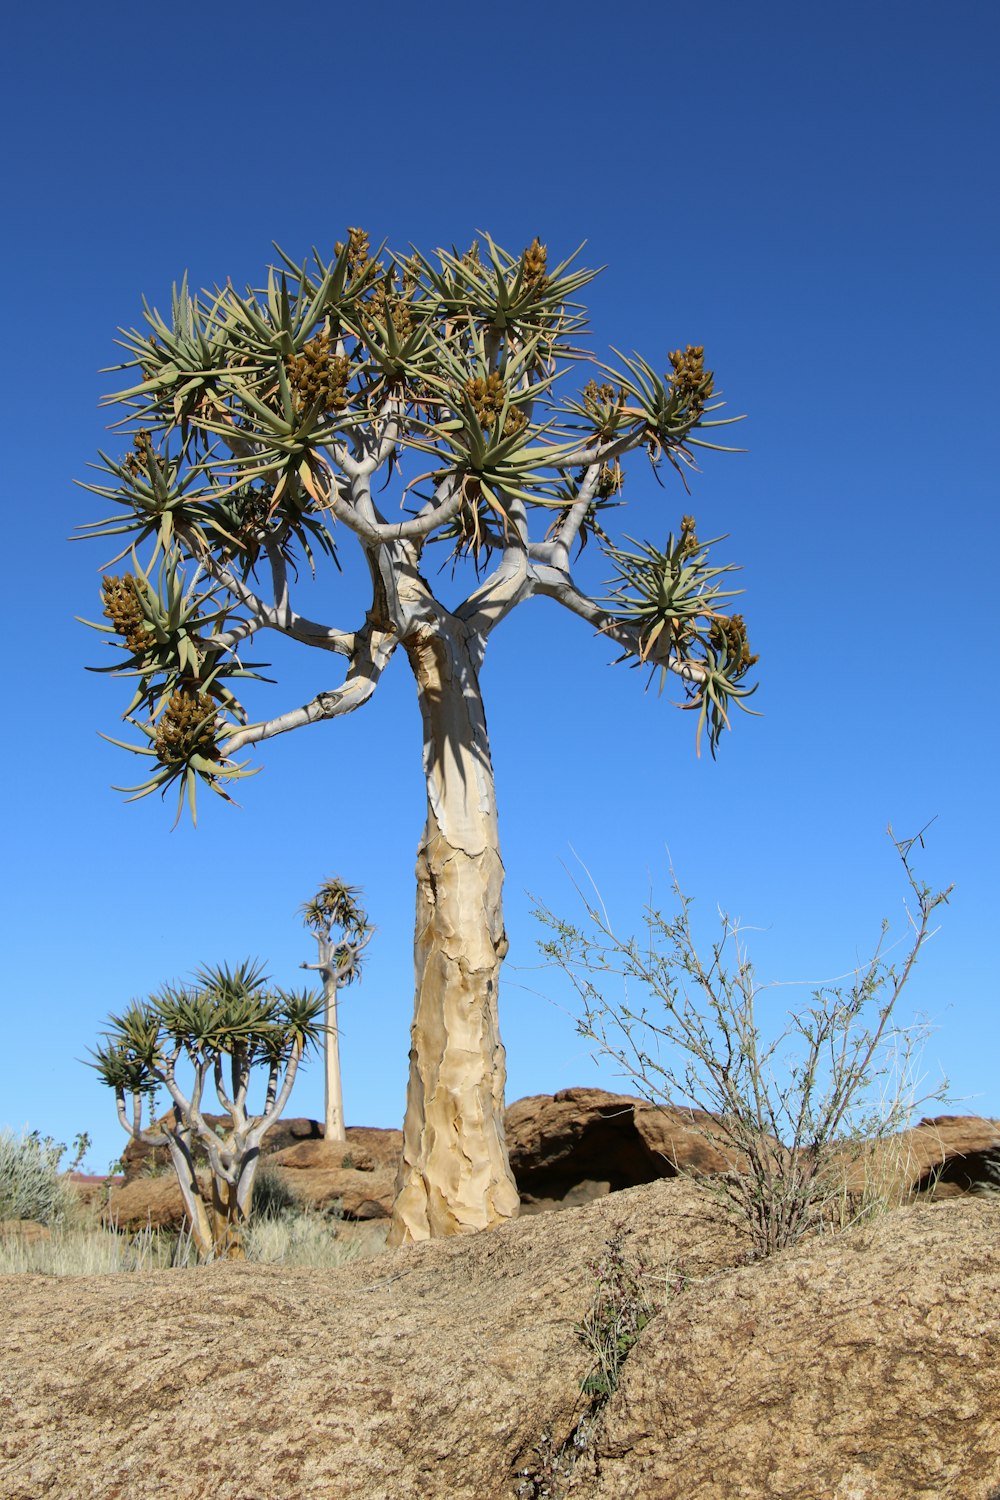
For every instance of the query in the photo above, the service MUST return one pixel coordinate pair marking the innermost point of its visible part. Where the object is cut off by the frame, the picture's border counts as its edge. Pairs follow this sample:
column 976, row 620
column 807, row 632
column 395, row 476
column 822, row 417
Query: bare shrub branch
column 787, row 1106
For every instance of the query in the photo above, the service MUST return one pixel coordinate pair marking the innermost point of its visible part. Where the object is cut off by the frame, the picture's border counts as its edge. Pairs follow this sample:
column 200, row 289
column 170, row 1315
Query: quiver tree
column 342, row 932
column 222, row 1027
column 266, row 429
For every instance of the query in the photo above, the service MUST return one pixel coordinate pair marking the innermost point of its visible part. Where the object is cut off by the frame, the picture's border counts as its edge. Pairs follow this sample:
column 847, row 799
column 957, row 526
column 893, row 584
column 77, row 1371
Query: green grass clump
column 31, row 1185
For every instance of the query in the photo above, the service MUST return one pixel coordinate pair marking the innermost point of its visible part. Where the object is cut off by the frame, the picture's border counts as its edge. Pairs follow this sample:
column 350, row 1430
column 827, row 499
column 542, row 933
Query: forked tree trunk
column 228, row 1222
column 455, row 1176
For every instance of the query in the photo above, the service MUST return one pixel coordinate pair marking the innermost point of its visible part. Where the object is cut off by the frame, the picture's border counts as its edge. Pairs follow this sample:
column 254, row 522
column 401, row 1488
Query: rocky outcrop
column 858, row 1367
column 560, row 1142
column 863, row 1366
column 25, row 1231
column 951, row 1154
column 429, row 1373
column 154, row 1201
column 570, row 1148
column 358, row 1176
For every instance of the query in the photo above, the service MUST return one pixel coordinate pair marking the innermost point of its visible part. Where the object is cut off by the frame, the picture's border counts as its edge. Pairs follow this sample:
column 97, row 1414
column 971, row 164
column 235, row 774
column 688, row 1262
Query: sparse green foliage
column 620, row 1311
column 228, row 1022
column 788, row 1105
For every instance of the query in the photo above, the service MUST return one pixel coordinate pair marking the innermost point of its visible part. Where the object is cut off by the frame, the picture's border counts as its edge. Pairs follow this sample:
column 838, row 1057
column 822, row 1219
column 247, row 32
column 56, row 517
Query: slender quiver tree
column 265, row 428
column 226, row 1014
column 342, row 933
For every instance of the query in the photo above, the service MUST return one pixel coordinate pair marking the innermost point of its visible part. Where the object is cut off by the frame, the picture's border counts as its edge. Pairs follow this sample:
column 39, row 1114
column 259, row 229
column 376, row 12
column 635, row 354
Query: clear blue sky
column 809, row 192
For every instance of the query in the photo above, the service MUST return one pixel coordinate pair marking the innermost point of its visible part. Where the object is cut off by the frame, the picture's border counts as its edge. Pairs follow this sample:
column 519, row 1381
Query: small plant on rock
column 227, row 1023
column 620, row 1311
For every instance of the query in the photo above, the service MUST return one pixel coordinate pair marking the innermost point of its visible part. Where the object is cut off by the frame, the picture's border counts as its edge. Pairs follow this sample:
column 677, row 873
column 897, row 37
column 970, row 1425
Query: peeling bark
column 455, row 1176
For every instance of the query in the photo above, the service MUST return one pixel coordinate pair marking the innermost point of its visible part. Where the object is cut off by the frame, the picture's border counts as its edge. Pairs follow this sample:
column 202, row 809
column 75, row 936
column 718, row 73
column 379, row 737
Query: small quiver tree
column 226, row 1015
column 342, row 932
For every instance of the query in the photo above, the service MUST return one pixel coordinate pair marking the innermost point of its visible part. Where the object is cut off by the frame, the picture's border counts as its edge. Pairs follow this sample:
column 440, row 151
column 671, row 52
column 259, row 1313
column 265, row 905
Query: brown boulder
column 90, row 1188
column 155, row 1201
column 952, row 1154
column 314, row 1171
column 943, row 1157
column 357, row 1176
column 365, row 1150
column 611, row 1141
column 25, row 1231
column 574, row 1146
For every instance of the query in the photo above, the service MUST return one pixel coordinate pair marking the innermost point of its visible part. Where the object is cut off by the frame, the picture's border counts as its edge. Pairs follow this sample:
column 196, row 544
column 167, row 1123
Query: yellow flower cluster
column 728, row 634
column 186, row 727
column 487, row 398
column 692, row 383
column 534, row 262
column 123, row 609
column 316, row 375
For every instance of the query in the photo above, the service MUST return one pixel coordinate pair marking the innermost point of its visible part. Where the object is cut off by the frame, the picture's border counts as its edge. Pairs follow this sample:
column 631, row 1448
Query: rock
column 858, row 1367
column 155, row 1201
column 953, row 1154
column 312, row 1168
column 945, row 1157
column 365, row 1150
column 91, row 1188
column 429, row 1373
column 864, row 1366
column 357, row 1177
column 558, row 1141
column 572, row 1147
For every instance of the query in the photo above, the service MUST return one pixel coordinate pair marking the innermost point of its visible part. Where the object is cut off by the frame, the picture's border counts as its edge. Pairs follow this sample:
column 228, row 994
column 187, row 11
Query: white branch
column 443, row 508
column 603, row 450
column 506, row 586
column 367, row 666
column 555, row 583
column 280, row 616
column 577, row 514
column 275, row 1099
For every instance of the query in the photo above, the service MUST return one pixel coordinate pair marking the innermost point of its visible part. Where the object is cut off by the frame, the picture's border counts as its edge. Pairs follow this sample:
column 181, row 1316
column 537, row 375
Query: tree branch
column 506, row 586
column 279, row 1102
column 280, row 616
column 570, row 528
column 555, row 583
column 371, row 655
column 443, row 508
column 602, row 452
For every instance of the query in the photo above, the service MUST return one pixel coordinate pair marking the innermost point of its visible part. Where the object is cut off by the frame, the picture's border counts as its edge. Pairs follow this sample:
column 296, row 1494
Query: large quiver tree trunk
column 455, row 1176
